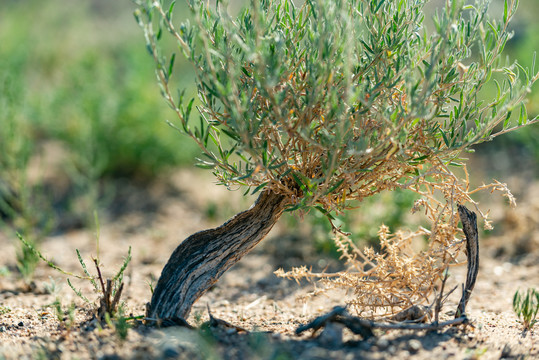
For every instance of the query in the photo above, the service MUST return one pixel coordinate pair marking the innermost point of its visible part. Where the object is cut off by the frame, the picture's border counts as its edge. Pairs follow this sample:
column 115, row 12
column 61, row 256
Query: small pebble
column 111, row 357
column 506, row 351
column 331, row 336
column 414, row 346
column 21, row 324
column 170, row 353
column 382, row 344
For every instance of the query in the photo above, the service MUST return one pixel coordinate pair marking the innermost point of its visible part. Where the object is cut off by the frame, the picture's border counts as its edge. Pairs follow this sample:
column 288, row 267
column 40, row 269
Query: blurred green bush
column 79, row 74
column 524, row 43
column 75, row 75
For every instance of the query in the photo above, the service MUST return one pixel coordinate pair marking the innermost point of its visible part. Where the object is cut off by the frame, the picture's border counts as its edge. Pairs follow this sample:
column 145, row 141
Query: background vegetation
column 78, row 109
column 80, row 113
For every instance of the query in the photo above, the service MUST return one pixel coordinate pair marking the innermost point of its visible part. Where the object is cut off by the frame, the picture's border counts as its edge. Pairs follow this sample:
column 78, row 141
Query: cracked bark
column 200, row 260
column 469, row 226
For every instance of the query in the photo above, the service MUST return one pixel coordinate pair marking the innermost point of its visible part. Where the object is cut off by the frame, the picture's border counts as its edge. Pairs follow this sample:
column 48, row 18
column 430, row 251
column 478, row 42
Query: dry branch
column 469, row 226
column 215, row 322
column 365, row 327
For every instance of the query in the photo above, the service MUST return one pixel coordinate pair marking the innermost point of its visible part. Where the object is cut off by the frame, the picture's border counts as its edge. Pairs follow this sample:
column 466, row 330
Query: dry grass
column 400, row 275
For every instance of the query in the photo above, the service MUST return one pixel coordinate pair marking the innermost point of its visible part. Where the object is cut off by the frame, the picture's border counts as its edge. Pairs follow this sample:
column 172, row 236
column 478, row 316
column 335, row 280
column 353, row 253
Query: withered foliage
column 411, row 265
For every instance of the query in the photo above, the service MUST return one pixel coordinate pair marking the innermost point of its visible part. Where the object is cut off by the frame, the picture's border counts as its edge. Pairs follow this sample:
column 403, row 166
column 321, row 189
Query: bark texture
column 199, row 261
column 469, row 226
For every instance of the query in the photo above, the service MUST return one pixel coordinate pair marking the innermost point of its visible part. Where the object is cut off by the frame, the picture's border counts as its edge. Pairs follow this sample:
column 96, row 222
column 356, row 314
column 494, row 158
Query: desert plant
column 323, row 104
column 119, row 322
column 64, row 317
column 526, row 307
column 109, row 290
column 4, row 309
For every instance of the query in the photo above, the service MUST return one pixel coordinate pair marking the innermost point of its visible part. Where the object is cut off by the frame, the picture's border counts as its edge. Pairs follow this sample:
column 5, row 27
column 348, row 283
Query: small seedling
column 4, row 309
column 526, row 306
column 52, row 287
column 110, row 290
column 198, row 318
column 4, row 271
column 67, row 317
column 151, row 284
column 26, row 263
column 119, row 323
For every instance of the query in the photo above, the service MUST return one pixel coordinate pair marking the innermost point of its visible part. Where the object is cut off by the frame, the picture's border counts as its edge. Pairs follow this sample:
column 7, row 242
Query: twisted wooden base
column 200, row 260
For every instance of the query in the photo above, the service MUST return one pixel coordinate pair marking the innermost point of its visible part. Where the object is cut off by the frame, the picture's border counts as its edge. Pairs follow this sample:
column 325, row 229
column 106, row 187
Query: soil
column 249, row 295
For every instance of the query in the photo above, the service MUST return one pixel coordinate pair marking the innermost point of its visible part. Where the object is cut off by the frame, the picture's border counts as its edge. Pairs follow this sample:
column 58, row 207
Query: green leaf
column 507, row 117
column 170, row 9
column 204, row 164
column 171, row 64
column 446, row 140
column 324, row 211
column 276, row 166
column 523, row 115
column 335, row 187
column 293, row 208
column 188, row 110
column 231, row 134
column 259, row 187
column 149, row 48
column 367, row 46
column 78, row 292
column 137, row 13
column 298, row 181
column 244, row 70
column 379, row 6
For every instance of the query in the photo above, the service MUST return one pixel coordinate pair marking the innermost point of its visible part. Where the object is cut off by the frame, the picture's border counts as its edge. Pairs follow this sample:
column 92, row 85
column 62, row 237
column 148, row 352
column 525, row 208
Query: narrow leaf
column 171, row 64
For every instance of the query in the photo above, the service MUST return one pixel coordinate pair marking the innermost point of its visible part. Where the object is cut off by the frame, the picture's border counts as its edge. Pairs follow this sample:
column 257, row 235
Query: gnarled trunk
column 199, row 261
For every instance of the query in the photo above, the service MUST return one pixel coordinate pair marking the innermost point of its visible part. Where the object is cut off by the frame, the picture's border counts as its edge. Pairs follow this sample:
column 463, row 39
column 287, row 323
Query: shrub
column 69, row 82
column 65, row 82
column 330, row 102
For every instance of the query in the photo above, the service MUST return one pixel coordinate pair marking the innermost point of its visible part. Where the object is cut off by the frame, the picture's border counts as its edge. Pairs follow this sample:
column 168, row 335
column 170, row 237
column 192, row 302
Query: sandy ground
column 249, row 295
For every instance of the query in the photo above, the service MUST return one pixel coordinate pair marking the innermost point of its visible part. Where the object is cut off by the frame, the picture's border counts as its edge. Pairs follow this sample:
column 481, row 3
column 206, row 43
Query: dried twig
column 365, row 327
column 108, row 302
column 469, row 226
column 215, row 322
column 322, row 320
column 439, row 299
